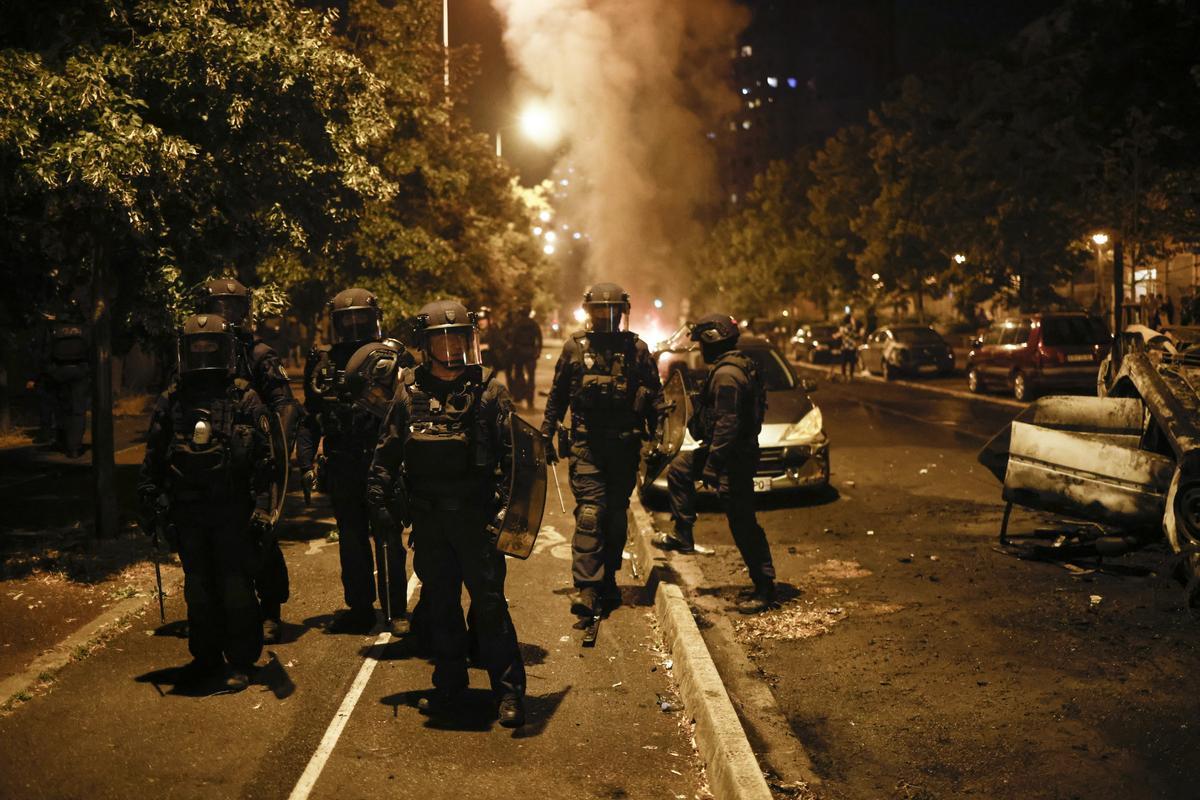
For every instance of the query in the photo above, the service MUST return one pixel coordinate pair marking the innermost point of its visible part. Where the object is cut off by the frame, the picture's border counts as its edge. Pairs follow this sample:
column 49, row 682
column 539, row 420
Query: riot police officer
column 64, row 377
column 259, row 364
column 447, row 445
column 347, row 387
column 726, row 423
column 607, row 378
column 525, row 350
column 204, row 482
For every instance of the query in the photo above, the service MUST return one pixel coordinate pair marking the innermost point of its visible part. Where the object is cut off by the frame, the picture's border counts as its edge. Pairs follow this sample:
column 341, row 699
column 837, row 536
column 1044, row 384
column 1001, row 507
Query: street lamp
column 959, row 258
column 540, row 125
column 1100, row 239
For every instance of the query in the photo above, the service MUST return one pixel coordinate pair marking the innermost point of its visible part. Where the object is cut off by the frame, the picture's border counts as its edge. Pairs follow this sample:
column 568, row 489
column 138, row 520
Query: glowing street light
column 551, row 236
column 959, row 258
column 658, row 303
column 1100, row 238
column 544, row 216
column 539, row 125
column 548, row 249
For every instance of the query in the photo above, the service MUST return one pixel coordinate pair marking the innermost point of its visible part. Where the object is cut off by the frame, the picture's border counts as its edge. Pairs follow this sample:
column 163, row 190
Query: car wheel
column 974, row 381
column 1022, row 391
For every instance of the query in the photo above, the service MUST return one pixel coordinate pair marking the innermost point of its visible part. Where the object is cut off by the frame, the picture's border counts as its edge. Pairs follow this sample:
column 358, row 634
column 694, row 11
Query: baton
column 557, row 488
column 387, row 583
column 162, row 611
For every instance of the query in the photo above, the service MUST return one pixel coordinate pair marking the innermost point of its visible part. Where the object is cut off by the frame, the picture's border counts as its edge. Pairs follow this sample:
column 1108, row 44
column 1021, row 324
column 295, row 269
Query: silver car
column 794, row 450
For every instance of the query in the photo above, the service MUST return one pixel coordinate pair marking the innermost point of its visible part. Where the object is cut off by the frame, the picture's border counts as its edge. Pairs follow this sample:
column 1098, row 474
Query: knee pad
column 587, row 519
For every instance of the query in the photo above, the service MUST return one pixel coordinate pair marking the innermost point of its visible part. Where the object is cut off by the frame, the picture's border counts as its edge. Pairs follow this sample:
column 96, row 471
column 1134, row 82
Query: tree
column 146, row 144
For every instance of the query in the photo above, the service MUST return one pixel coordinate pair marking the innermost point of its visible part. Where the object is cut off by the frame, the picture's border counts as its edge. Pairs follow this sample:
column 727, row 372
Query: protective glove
column 381, row 518
column 551, row 450
column 260, row 524
column 710, row 479
column 152, row 507
column 309, row 479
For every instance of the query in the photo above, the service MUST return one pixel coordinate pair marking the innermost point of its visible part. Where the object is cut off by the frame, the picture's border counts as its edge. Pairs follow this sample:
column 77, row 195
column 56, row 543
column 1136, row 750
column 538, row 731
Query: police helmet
column 207, row 347
column 715, row 329
column 446, row 333
column 228, row 299
column 354, row 316
column 607, row 306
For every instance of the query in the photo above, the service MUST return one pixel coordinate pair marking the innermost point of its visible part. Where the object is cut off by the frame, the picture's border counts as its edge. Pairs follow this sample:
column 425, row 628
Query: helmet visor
column 606, row 317
column 355, row 325
column 232, row 308
column 454, row 347
column 206, row 352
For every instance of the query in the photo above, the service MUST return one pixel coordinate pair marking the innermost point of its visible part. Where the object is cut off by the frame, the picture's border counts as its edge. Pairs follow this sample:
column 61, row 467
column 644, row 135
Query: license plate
column 762, row 484
column 924, row 368
column 1076, row 357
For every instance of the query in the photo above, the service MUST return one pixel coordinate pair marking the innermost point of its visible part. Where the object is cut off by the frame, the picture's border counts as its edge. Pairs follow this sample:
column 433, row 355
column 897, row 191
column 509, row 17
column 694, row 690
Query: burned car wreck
column 1127, row 461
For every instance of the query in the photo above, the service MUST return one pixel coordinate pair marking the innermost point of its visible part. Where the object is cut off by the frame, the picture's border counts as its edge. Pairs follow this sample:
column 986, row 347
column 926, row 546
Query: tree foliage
column 173, row 140
column 1088, row 121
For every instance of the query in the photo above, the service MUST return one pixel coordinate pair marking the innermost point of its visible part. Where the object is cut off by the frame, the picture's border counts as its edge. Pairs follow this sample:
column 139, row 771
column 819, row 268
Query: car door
column 985, row 359
column 873, row 358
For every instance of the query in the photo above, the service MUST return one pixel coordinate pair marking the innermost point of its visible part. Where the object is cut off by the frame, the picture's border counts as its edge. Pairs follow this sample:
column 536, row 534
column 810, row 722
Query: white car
column 794, row 450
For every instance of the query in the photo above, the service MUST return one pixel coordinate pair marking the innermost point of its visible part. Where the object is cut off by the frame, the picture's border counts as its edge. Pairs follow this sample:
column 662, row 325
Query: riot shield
column 277, row 467
column 672, row 427
column 522, row 516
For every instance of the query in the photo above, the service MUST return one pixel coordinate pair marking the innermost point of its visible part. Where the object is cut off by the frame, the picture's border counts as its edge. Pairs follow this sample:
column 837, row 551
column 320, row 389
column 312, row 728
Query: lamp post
column 1100, row 239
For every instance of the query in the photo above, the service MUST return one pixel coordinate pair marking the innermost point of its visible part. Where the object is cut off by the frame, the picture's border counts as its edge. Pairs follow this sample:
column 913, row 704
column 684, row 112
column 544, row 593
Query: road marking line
column 308, row 780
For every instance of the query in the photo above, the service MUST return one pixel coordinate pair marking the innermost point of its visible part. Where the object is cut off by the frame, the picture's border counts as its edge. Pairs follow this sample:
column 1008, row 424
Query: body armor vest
column 212, row 449
column 752, row 406
column 605, row 393
column 449, row 443
column 350, row 432
column 68, row 344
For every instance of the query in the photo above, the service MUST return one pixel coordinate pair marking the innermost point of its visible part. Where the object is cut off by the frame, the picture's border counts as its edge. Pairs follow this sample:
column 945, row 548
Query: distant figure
column 525, row 338
column 847, row 335
column 65, row 377
column 1168, row 310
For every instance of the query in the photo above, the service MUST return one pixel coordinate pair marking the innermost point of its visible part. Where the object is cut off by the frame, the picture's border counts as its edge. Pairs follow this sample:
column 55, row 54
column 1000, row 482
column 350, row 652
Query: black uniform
column 64, row 380
column 448, row 445
column 611, row 384
column 261, row 366
column 213, row 490
column 727, row 420
column 525, row 351
column 350, row 430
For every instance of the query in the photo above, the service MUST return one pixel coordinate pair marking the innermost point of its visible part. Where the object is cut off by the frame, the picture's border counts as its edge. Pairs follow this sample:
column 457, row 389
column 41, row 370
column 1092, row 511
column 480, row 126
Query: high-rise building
column 804, row 69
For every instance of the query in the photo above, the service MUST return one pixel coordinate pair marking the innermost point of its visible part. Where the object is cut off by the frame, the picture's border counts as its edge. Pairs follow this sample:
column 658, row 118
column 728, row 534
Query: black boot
column 672, row 541
column 440, row 702
column 586, row 602
column 271, row 624
column 360, row 619
column 610, row 593
column 763, row 599
column 512, row 710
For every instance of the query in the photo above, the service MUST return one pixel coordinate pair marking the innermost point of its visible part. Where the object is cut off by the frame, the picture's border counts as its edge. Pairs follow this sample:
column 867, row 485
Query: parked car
column 794, row 449
column 816, row 344
column 906, row 350
column 1036, row 353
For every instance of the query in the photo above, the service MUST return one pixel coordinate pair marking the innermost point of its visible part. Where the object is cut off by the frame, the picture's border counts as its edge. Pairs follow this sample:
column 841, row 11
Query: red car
column 1036, row 353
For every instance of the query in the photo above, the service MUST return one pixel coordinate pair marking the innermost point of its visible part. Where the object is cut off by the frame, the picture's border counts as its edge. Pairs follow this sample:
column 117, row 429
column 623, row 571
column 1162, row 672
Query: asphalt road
column 113, row 724
column 913, row 660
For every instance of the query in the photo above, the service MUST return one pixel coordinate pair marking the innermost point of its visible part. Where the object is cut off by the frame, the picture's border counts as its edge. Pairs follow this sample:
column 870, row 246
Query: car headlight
column 809, row 426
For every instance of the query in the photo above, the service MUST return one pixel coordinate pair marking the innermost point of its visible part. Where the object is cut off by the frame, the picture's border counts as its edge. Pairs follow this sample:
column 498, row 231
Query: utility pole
column 1118, row 288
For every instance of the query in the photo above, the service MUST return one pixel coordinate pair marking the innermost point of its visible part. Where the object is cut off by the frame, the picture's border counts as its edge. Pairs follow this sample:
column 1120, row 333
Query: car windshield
column 822, row 331
column 776, row 375
column 1073, row 330
column 917, row 336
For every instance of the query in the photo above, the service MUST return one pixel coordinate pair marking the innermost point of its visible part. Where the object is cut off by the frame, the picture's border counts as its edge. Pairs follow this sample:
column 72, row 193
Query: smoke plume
column 636, row 85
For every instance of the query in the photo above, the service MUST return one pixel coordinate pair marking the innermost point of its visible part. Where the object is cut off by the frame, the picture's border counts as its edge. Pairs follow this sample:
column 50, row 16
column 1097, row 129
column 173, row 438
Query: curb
column 781, row 754
column 733, row 771
column 961, row 394
column 60, row 655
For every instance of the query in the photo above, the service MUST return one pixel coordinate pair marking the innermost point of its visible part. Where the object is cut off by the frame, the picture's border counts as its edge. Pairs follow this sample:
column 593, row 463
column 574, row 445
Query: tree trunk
column 103, row 456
